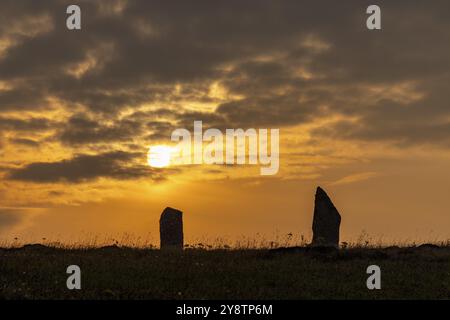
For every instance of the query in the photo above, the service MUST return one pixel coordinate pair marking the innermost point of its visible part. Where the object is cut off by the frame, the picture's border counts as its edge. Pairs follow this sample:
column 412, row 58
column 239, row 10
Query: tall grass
column 256, row 241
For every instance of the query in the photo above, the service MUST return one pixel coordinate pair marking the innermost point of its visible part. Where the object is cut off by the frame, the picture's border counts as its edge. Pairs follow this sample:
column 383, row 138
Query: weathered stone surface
column 171, row 229
column 326, row 221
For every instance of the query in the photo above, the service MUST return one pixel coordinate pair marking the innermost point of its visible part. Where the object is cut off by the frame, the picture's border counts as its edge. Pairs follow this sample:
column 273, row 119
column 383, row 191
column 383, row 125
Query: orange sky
column 364, row 114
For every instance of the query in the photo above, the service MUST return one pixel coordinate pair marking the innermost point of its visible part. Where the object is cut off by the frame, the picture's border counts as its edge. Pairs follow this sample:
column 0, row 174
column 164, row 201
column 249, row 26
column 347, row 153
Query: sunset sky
column 364, row 114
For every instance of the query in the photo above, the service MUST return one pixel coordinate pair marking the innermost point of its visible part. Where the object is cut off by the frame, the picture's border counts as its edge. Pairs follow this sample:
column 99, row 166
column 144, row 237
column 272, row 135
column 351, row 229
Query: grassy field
column 38, row 272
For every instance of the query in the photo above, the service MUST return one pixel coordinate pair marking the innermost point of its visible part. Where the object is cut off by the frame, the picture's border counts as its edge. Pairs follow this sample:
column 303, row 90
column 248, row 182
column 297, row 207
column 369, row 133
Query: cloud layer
column 83, row 168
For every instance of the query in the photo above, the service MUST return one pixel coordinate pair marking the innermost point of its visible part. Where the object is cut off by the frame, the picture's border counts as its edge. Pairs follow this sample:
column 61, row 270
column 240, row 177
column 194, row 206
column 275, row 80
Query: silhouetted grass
column 39, row 272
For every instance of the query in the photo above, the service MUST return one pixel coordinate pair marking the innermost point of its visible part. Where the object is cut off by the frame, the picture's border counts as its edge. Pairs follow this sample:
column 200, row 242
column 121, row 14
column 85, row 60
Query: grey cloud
column 80, row 129
column 25, row 142
column 31, row 124
column 81, row 168
column 160, row 130
column 290, row 62
column 10, row 217
column 2, row 141
column 22, row 98
column 400, row 131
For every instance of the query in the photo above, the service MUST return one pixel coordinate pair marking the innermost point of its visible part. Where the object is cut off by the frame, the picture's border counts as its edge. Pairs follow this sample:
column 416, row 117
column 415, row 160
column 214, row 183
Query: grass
column 39, row 272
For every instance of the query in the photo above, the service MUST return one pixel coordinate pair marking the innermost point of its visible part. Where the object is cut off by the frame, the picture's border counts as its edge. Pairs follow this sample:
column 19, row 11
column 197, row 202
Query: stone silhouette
column 171, row 229
column 326, row 221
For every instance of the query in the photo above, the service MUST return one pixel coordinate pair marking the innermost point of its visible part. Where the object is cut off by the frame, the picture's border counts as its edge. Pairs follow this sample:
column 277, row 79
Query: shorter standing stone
column 171, row 229
column 326, row 221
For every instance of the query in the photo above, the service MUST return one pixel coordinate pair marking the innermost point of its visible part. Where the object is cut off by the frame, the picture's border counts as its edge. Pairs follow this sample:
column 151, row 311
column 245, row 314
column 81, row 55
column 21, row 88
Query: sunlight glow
column 159, row 156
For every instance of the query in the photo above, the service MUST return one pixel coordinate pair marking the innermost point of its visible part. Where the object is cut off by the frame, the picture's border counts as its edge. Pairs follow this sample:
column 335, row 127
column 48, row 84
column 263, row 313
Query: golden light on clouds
column 159, row 156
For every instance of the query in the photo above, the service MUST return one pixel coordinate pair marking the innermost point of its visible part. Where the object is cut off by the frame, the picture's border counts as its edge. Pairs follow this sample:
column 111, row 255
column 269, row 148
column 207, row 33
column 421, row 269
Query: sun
column 159, row 156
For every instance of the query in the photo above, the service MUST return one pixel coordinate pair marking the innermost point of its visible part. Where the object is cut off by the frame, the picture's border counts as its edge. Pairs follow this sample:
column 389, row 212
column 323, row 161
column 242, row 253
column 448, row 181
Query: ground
column 38, row 272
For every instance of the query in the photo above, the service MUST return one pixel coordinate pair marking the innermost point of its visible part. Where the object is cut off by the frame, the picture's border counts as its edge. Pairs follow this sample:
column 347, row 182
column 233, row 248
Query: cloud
column 25, row 142
column 30, row 124
column 160, row 130
column 354, row 178
column 2, row 140
column 81, row 168
column 280, row 63
column 81, row 129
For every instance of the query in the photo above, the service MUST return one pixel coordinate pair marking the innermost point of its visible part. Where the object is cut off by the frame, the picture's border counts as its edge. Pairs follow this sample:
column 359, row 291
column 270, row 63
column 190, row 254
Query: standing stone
column 171, row 229
column 326, row 221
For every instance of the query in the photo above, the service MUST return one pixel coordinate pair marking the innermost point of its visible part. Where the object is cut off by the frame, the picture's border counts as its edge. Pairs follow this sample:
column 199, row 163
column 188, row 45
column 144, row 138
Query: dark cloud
column 25, row 142
column 31, row 124
column 282, row 63
column 10, row 217
column 160, row 130
column 117, row 165
column 22, row 98
column 80, row 129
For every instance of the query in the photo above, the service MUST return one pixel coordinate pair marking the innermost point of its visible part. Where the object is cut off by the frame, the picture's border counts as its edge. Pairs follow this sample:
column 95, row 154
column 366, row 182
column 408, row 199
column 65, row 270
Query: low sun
column 159, row 156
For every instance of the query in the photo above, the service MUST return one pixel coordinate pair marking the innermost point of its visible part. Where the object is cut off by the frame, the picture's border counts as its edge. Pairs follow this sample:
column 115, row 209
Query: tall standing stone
column 326, row 221
column 171, row 229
